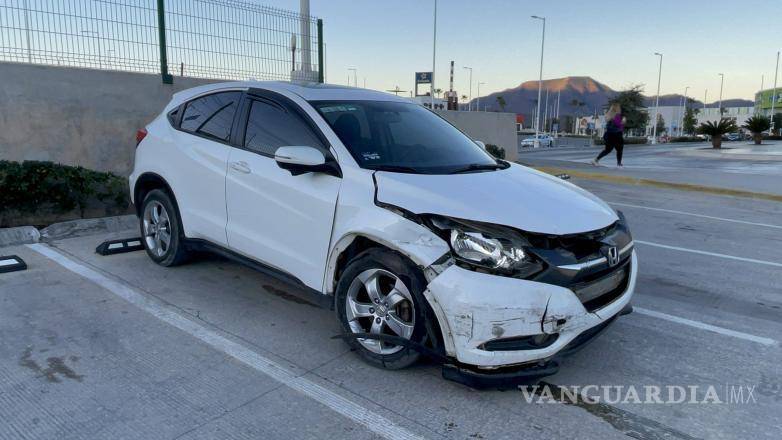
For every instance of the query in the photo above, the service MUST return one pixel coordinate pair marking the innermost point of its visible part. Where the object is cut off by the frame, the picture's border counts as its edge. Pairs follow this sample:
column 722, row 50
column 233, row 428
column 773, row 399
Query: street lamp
column 684, row 109
column 774, row 95
column 469, row 103
column 540, row 80
column 657, row 99
column 434, row 54
column 719, row 107
column 478, row 106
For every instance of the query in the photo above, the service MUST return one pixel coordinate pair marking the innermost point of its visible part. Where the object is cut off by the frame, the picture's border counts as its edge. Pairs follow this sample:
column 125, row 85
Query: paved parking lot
column 117, row 347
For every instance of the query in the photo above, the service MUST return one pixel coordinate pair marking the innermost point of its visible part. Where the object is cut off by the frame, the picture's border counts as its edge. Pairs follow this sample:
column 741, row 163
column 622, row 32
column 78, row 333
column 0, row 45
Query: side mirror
column 481, row 144
column 302, row 159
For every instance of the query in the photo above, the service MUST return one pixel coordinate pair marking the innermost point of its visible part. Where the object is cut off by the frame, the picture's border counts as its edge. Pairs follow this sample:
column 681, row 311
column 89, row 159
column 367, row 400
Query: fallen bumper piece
column 11, row 263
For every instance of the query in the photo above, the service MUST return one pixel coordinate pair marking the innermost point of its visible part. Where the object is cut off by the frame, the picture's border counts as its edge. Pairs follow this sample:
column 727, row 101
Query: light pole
column 469, row 103
column 684, row 110
column 774, row 94
column 478, row 104
column 540, row 80
column 719, row 107
column 657, row 99
column 434, row 54
column 705, row 95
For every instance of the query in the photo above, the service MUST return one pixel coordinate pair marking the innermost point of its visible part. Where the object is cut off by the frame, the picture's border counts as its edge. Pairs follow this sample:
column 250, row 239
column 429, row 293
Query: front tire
column 161, row 231
column 380, row 292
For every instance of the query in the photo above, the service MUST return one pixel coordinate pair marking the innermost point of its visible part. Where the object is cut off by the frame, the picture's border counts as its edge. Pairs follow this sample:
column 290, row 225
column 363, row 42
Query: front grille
column 600, row 292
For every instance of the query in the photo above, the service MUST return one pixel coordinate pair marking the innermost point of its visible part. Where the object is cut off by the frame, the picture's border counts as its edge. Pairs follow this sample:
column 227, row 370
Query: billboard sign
column 423, row 77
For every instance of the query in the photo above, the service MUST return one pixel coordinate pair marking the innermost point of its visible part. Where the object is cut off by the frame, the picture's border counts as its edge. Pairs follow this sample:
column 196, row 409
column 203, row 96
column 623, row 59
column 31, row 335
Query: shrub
column 35, row 188
column 496, row 151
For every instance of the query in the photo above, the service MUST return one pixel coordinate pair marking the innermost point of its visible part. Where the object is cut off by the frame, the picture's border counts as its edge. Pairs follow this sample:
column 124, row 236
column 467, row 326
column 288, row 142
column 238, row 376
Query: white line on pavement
column 696, row 215
column 711, row 254
column 371, row 420
column 704, row 326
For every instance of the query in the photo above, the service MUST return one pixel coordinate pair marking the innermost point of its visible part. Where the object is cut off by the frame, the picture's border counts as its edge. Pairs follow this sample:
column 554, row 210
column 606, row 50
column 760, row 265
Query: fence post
column 161, row 27
column 320, row 51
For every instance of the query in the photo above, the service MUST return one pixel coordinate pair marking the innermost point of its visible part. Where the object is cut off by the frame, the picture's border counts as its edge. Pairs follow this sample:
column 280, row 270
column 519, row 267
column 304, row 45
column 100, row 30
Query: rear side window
column 211, row 115
column 270, row 126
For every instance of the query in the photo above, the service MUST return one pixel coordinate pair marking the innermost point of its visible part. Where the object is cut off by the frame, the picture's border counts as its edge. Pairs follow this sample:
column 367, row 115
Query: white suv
column 420, row 240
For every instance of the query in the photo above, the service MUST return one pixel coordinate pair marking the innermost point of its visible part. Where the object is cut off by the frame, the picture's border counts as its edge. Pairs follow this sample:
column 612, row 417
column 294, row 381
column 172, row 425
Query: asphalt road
column 737, row 165
column 117, row 347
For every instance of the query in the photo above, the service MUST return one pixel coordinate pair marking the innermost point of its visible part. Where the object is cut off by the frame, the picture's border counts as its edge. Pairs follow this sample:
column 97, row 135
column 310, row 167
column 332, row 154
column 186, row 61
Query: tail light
column 140, row 135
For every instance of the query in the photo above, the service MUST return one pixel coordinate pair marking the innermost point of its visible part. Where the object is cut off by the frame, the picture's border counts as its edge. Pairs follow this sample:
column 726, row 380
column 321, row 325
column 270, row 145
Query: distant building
column 738, row 114
column 763, row 102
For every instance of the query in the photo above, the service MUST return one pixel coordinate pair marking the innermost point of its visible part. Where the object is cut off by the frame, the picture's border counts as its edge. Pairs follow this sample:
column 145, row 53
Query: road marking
column 371, row 420
column 711, row 254
column 707, row 327
column 766, row 225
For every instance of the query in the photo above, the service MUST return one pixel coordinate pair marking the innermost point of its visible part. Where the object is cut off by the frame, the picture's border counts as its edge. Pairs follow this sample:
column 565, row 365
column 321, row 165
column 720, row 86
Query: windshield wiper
column 478, row 167
column 396, row 169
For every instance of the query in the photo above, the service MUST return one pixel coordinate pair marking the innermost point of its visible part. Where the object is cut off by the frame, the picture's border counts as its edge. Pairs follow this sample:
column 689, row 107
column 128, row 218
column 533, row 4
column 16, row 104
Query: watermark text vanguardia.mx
column 727, row 394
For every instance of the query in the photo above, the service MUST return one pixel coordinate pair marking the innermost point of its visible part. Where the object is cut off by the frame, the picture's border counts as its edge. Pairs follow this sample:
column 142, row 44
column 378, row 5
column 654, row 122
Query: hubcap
column 378, row 302
column 157, row 228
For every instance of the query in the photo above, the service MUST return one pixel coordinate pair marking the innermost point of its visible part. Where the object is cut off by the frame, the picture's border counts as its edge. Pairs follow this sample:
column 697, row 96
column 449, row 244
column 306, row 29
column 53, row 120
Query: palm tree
column 437, row 92
column 757, row 125
column 717, row 129
column 501, row 102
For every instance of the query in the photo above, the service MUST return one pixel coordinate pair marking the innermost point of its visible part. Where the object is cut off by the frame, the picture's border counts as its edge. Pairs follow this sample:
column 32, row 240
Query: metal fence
column 221, row 39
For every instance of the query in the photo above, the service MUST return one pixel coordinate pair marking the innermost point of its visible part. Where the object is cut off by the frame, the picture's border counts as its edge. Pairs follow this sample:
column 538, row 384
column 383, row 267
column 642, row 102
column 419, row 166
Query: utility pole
column 705, row 95
column 434, row 54
column 774, row 94
column 657, row 99
column 719, row 107
column 469, row 103
column 540, row 80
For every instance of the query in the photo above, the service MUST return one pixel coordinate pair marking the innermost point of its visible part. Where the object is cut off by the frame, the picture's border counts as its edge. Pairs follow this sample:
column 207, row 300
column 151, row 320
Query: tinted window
column 270, row 126
column 211, row 115
column 400, row 135
column 172, row 116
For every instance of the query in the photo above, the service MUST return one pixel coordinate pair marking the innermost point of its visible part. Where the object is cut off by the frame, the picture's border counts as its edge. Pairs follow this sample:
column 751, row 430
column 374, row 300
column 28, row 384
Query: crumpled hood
column 518, row 196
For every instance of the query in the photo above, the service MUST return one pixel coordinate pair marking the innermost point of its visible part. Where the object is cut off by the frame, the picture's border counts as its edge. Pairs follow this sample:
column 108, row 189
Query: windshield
column 403, row 137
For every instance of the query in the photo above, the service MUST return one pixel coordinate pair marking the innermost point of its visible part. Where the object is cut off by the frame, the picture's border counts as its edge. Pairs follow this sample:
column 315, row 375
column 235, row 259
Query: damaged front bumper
column 504, row 329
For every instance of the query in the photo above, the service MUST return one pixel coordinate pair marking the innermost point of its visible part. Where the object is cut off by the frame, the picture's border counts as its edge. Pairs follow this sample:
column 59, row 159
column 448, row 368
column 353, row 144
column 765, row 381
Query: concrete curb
column 82, row 227
column 626, row 180
column 19, row 235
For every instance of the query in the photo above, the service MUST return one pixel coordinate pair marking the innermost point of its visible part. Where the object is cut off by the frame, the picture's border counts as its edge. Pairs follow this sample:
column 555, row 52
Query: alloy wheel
column 378, row 302
column 157, row 228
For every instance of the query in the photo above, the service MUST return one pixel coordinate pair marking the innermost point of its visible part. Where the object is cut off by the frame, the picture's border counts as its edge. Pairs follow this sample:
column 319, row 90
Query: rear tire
column 161, row 230
column 381, row 292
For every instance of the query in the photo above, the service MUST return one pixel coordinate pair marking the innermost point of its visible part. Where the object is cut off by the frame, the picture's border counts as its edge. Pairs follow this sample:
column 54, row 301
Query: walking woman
column 614, row 134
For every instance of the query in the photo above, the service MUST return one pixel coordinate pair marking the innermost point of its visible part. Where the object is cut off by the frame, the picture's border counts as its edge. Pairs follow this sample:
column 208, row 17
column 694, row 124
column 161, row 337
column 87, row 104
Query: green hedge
column 31, row 188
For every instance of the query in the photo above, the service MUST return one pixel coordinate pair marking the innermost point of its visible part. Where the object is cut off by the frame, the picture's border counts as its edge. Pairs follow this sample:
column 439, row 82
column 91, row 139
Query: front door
column 274, row 217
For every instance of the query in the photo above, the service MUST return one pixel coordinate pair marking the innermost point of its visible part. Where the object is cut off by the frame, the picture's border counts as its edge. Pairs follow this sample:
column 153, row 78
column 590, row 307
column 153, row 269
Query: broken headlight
column 487, row 248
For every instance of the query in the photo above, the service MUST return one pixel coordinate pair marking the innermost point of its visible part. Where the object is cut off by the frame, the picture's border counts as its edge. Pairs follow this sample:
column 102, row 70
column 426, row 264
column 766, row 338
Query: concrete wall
column 89, row 117
column 78, row 116
column 489, row 127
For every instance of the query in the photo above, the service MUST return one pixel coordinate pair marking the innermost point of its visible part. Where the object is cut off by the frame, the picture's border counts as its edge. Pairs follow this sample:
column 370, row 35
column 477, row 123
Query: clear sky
column 610, row 40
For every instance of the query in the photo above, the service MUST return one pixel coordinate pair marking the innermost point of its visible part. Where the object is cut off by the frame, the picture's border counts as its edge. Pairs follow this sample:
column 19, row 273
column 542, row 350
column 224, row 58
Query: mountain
column 583, row 89
column 523, row 98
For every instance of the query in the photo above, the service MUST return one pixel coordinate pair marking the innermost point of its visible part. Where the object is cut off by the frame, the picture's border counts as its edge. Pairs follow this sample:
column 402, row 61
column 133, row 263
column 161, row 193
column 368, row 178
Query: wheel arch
column 147, row 182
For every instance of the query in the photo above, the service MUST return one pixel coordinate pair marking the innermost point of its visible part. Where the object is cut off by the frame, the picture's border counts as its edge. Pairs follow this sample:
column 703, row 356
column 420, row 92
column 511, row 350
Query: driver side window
column 271, row 126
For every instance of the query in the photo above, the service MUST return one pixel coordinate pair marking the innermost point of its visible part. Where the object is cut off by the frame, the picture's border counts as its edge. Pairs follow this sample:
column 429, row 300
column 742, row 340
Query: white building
column 738, row 114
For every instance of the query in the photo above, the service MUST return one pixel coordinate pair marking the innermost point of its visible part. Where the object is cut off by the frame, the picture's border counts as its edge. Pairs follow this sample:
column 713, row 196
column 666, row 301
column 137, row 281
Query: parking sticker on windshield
column 370, row 156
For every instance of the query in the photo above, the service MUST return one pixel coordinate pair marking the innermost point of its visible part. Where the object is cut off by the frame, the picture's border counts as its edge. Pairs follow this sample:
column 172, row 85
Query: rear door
column 204, row 137
column 274, row 217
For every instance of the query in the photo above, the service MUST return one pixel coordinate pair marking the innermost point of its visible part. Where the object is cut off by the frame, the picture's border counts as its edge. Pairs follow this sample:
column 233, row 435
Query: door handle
column 241, row 167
